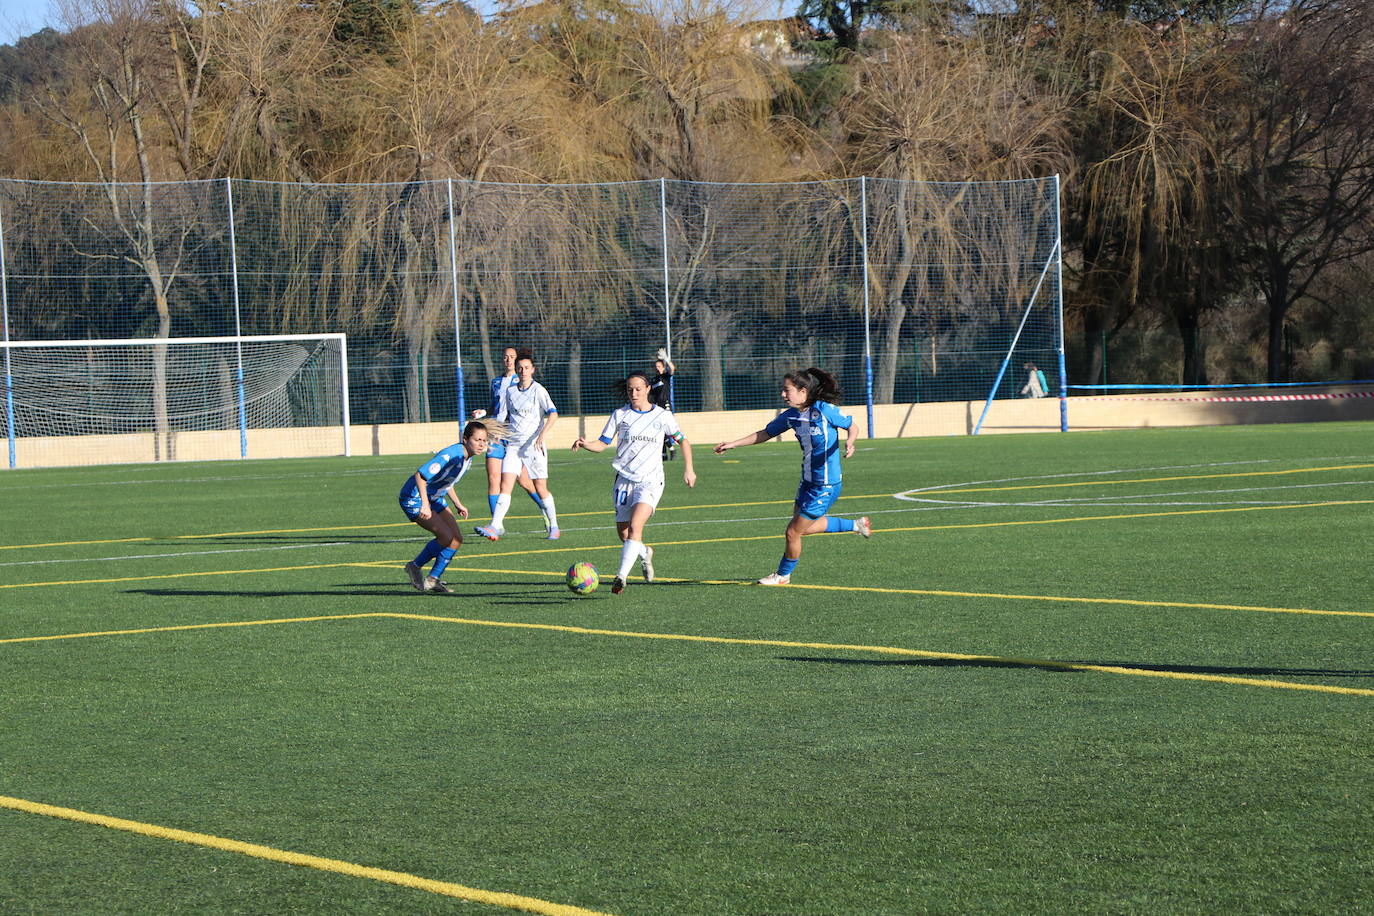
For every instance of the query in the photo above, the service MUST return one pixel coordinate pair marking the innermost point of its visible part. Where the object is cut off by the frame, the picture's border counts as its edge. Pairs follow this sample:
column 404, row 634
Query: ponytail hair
column 494, row 429
column 818, row 384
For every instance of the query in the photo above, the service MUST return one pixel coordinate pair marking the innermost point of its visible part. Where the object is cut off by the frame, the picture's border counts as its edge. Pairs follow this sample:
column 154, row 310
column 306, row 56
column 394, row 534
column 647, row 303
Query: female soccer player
column 638, row 428
column 811, row 413
column 529, row 414
column 422, row 500
column 496, row 449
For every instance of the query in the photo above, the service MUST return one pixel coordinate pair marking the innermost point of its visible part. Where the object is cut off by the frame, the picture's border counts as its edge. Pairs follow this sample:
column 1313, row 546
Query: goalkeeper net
column 86, row 402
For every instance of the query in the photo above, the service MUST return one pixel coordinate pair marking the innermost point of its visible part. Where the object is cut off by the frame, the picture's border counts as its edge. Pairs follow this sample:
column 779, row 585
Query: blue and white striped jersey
column 523, row 412
column 639, row 441
column 440, row 472
column 498, row 386
column 817, row 430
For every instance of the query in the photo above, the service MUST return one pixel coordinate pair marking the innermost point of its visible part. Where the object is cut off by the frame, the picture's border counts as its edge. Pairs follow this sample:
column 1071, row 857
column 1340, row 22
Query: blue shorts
column 815, row 499
column 410, row 505
column 496, row 450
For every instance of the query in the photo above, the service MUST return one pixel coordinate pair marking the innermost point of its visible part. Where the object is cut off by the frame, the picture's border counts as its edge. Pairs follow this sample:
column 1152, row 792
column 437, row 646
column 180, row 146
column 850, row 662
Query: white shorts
column 629, row 493
column 530, row 457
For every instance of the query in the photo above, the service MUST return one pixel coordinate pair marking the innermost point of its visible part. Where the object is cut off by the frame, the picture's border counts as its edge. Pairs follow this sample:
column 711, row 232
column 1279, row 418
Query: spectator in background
column 661, row 394
column 1035, row 386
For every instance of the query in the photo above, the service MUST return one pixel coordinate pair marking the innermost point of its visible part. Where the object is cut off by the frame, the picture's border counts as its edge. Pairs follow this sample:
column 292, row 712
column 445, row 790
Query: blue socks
column 537, row 501
column 430, row 552
column 441, row 564
column 839, row 524
column 787, row 564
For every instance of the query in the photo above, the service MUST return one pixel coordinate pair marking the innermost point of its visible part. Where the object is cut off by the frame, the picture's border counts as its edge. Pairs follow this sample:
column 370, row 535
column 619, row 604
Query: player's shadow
column 486, row 591
column 1234, row 671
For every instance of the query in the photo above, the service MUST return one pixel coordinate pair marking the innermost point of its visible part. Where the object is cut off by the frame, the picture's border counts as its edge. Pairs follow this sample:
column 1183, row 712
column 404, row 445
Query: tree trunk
column 1277, row 300
column 713, row 325
column 575, row 377
column 885, row 384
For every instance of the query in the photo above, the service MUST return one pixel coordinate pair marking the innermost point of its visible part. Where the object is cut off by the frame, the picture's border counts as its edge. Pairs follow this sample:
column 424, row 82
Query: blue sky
column 24, row 17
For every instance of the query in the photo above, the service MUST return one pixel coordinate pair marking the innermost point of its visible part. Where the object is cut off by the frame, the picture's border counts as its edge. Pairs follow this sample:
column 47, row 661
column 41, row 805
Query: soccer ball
column 583, row 579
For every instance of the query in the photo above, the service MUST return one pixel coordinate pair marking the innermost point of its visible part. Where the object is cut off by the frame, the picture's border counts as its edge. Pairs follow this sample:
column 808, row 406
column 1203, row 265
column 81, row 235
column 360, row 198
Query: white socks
column 498, row 515
column 550, row 513
column 630, row 551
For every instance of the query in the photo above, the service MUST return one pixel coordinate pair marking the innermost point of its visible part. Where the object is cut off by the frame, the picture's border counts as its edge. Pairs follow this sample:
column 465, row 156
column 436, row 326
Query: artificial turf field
column 1119, row 672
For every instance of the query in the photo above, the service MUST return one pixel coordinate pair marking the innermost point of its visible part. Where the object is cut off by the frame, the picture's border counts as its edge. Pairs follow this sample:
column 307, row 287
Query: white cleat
column 646, row 563
column 863, row 527
column 434, row 586
column 775, row 579
column 417, row 578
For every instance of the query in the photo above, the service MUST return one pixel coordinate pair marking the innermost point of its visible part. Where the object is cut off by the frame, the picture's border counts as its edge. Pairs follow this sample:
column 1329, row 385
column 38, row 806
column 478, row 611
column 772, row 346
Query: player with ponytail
column 811, row 395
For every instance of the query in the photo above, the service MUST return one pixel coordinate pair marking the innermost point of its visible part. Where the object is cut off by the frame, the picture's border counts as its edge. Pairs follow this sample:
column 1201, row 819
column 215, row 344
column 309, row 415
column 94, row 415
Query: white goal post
column 86, row 402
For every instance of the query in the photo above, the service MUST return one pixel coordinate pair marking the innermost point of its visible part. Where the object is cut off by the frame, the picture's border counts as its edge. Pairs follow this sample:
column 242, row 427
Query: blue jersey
column 817, row 430
column 440, row 472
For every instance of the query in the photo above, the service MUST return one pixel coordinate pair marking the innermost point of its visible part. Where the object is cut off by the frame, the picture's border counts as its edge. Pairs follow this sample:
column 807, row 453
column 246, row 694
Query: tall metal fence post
column 1059, row 289
column 5, row 319
column 868, row 334
column 238, row 318
column 457, row 320
column 667, row 291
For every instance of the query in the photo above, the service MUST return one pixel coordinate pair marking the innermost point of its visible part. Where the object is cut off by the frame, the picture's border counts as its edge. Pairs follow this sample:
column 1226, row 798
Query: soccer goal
column 86, row 402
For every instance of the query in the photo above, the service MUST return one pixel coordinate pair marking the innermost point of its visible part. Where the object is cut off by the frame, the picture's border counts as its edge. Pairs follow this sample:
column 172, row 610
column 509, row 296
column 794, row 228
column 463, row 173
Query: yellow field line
column 736, row 641
column 1106, row 483
column 187, row 626
column 733, row 505
column 180, row 575
column 510, row 901
column 936, row 593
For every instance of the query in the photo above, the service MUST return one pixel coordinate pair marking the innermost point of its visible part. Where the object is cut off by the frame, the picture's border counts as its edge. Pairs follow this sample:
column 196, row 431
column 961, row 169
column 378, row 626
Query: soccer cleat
column 434, row 586
column 775, row 579
column 553, row 535
column 617, row 586
column 646, row 563
column 863, row 527
column 488, row 532
column 417, row 578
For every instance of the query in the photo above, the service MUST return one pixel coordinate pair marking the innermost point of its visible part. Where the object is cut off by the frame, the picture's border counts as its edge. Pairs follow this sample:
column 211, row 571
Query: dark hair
column 522, row 353
column 623, row 385
column 818, row 384
column 472, row 427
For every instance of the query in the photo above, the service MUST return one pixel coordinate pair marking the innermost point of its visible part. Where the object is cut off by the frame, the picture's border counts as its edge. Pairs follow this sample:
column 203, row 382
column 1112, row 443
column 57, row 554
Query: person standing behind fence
column 661, row 394
column 529, row 414
column 811, row 413
column 1035, row 386
column 496, row 450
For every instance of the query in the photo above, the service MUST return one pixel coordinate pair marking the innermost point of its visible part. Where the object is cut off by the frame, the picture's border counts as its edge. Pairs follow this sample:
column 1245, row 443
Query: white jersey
column 639, row 441
column 523, row 412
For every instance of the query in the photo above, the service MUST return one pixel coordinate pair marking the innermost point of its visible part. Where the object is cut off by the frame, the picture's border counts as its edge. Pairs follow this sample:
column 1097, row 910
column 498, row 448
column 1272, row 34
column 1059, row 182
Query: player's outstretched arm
column 751, row 439
column 591, row 445
column 851, row 434
column 689, row 474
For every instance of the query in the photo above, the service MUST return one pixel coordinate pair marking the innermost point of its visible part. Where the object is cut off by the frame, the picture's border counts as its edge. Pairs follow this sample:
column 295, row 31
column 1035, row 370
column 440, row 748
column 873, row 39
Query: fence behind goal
column 907, row 291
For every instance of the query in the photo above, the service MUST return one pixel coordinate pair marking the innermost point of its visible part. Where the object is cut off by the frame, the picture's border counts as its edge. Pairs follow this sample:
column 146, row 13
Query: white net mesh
column 98, row 402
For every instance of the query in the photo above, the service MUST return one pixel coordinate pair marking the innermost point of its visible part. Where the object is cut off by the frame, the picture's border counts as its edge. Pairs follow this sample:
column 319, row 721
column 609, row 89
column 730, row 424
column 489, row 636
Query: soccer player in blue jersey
column 638, row 429
column 422, row 500
column 529, row 414
column 496, row 449
column 811, row 413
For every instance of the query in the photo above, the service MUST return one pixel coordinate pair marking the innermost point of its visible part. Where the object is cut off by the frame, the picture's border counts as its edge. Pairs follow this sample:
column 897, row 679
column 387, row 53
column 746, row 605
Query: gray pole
column 667, row 296
column 5, row 319
column 868, row 336
column 457, row 322
column 238, row 318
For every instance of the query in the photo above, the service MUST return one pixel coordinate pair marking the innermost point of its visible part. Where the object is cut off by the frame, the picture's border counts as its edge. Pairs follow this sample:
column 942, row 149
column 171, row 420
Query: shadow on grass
column 1058, row 669
column 462, row 589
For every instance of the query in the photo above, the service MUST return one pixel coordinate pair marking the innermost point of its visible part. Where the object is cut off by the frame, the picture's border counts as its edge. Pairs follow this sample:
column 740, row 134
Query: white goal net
column 83, row 402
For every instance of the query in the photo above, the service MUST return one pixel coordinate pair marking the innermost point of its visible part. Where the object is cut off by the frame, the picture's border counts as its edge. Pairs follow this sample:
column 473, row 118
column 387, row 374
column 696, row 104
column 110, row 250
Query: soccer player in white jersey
column 529, row 414
column 811, row 413
column 496, row 449
column 422, row 500
column 638, row 429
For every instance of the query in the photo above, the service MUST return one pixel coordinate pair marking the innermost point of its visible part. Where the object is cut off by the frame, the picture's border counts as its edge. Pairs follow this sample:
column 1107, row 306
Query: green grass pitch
column 1119, row 672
